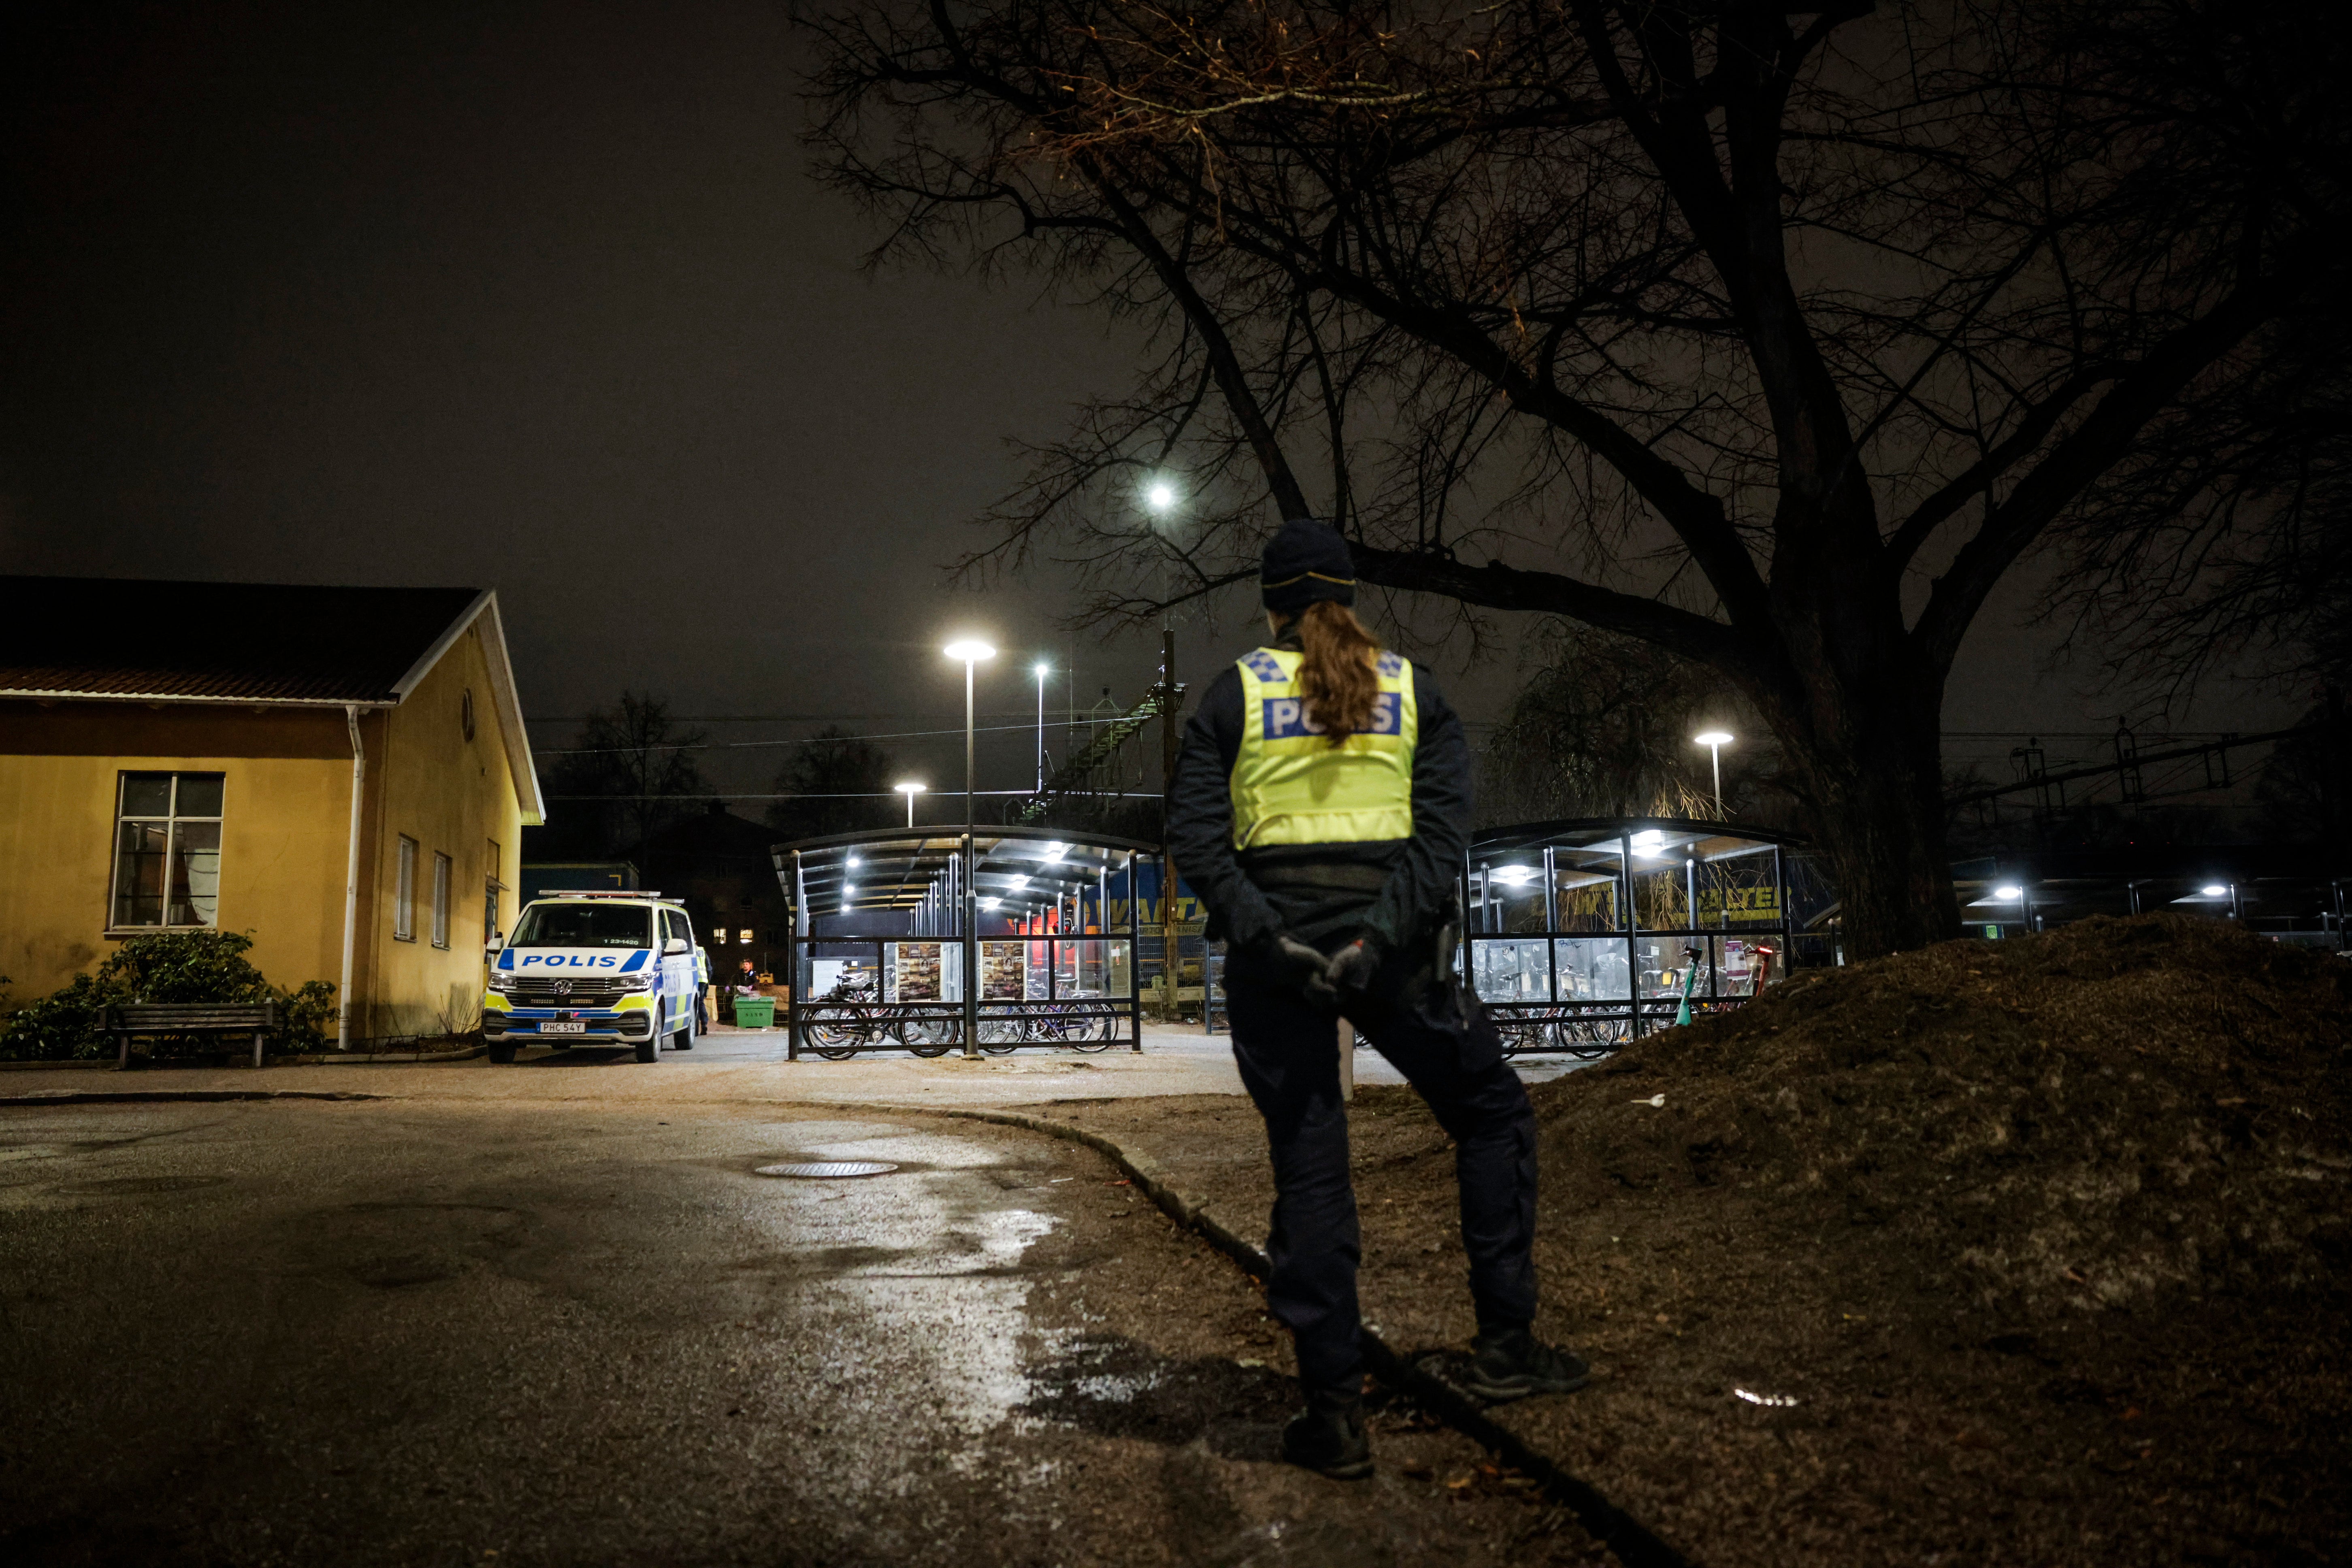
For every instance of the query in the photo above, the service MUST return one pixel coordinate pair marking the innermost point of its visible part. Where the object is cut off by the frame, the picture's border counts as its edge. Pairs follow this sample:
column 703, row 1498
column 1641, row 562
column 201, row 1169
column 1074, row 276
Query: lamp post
column 1043, row 669
column 910, row 789
column 1715, row 740
column 971, row 650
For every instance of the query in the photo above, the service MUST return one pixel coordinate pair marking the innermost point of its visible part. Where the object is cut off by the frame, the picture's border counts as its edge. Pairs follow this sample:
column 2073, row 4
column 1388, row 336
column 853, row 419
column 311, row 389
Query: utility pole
column 1171, row 969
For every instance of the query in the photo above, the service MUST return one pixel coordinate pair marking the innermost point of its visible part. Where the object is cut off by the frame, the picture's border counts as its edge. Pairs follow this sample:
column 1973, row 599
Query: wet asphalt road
column 506, row 1333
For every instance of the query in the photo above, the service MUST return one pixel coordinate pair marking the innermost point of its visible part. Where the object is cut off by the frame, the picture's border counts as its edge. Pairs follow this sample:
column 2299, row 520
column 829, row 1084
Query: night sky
column 543, row 297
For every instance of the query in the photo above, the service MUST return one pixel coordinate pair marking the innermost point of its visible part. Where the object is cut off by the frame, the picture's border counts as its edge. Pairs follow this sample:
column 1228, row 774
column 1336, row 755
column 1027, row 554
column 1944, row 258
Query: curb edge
column 1632, row 1541
column 177, row 1096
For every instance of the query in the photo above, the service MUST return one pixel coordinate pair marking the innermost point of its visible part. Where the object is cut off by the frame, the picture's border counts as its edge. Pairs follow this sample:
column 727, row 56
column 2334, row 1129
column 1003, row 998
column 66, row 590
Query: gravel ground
column 2022, row 1253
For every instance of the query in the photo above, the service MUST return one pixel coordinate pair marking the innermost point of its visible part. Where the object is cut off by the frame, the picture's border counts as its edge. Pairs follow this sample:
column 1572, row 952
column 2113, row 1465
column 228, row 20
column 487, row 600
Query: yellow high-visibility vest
column 1291, row 785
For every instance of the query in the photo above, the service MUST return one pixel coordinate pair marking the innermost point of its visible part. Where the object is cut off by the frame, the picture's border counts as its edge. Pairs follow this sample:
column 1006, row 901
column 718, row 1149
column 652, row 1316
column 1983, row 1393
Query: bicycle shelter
column 882, row 951
column 1581, row 935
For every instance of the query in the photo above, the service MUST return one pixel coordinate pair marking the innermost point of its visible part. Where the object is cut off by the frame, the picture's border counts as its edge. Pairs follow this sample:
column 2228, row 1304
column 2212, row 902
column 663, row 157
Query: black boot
column 1509, row 1363
column 1330, row 1439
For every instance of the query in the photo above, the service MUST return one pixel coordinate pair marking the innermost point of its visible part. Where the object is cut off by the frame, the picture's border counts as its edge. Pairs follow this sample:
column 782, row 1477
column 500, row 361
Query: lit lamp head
column 1715, row 740
column 2011, row 894
column 1161, row 497
column 910, row 788
column 971, row 650
column 2215, row 890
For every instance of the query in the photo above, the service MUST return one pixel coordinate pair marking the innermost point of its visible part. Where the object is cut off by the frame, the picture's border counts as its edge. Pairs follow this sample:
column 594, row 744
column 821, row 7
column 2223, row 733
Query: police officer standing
column 1320, row 809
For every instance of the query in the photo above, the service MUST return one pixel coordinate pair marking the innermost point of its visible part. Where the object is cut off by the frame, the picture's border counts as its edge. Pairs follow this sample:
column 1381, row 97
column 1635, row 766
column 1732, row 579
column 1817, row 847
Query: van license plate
column 555, row 1028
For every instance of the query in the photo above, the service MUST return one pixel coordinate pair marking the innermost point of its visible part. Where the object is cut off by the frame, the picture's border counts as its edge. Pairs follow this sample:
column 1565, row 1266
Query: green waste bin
column 755, row 1012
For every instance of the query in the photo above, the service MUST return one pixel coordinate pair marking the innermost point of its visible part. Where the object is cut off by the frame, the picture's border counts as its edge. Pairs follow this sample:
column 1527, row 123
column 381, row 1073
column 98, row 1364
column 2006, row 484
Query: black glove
column 1305, row 966
column 1352, row 967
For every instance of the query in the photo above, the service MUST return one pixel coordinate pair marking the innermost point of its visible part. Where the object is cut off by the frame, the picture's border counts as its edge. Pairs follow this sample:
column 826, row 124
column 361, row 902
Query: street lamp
column 1715, row 740
column 971, row 650
column 1043, row 670
column 910, row 789
column 1161, row 497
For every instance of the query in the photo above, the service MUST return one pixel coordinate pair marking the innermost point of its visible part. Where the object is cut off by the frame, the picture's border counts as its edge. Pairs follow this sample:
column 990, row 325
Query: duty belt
column 1340, row 878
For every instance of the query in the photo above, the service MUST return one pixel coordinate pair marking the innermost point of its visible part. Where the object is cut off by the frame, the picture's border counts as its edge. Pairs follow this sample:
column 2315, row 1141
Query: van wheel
column 502, row 1055
column 683, row 1039
column 649, row 1049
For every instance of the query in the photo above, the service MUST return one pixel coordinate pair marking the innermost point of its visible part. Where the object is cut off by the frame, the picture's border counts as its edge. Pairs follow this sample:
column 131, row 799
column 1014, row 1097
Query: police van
column 602, row 967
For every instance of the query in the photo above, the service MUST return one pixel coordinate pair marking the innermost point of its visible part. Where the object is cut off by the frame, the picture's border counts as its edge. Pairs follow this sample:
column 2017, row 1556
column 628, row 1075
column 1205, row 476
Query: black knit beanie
column 1306, row 561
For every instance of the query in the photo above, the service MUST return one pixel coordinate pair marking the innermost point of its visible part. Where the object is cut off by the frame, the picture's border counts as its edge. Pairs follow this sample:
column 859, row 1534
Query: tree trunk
column 1877, row 811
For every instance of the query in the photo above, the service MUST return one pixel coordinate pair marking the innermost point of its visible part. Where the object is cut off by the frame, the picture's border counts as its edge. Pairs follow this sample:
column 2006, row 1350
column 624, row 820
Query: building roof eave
column 509, row 708
column 47, row 694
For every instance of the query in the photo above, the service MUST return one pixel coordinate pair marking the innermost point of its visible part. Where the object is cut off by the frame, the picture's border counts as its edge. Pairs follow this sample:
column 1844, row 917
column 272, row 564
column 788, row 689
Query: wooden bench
column 151, row 1018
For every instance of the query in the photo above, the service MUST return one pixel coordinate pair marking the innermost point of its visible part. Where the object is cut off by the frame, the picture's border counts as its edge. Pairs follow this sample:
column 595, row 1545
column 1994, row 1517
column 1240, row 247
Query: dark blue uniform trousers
column 1290, row 1063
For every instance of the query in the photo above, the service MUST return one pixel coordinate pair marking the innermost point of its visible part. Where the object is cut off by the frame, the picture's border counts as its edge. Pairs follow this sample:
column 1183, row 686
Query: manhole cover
column 830, row 1170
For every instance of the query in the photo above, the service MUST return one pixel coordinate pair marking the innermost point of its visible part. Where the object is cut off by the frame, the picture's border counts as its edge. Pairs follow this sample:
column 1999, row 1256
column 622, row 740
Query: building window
column 167, row 850
column 718, row 936
column 404, row 893
column 744, row 937
column 441, row 869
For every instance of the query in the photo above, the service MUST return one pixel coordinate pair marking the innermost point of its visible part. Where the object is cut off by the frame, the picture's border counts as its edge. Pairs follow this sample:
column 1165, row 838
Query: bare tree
column 839, row 784
column 635, row 767
column 1774, row 338
column 1602, row 727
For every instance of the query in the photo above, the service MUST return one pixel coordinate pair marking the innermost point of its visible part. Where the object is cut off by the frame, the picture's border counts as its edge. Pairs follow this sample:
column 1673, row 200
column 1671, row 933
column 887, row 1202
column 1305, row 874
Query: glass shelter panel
column 1591, row 969
column 842, row 972
column 1510, row 969
column 1086, row 968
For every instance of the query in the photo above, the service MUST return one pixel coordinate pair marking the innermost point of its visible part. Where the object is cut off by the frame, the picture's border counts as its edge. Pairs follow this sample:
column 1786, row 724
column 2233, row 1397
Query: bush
column 196, row 966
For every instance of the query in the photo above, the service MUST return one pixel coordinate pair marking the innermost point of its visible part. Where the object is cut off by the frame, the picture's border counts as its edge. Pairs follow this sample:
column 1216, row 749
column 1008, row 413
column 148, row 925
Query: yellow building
column 341, row 773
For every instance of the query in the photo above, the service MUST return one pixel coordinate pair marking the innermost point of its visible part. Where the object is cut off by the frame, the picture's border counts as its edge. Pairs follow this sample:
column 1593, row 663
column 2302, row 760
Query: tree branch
column 2106, row 435
column 1495, row 586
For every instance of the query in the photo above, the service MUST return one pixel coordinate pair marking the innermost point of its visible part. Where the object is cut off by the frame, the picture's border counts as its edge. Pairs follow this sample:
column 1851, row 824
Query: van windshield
column 585, row 925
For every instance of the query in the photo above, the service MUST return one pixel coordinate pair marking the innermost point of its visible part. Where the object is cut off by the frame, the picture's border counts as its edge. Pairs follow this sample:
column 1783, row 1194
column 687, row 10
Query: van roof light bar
column 596, row 893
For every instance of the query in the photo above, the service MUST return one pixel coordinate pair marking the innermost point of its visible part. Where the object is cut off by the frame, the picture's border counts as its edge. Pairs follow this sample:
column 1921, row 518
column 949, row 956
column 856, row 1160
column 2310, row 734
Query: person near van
column 1321, row 808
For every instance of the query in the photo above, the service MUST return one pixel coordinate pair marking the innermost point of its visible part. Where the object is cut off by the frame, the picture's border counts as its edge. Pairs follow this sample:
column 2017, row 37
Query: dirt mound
column 2016, row 1254
column 2115, row 1110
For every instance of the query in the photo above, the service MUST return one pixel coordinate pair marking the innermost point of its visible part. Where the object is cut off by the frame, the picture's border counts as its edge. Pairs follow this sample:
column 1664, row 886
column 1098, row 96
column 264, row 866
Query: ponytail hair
column 1338, row 681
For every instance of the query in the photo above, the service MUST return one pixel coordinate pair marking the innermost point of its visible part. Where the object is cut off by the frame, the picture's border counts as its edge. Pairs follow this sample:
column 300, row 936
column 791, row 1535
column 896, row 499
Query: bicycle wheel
column 999, row 1037
column 837, row 1039
column 1095, row 1032
column 928, row 1036
column 1590, row 1039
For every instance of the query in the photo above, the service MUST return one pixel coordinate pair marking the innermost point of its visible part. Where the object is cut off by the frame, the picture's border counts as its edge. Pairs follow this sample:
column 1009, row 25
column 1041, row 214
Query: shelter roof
column 1658, row 839
column 893, row 870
